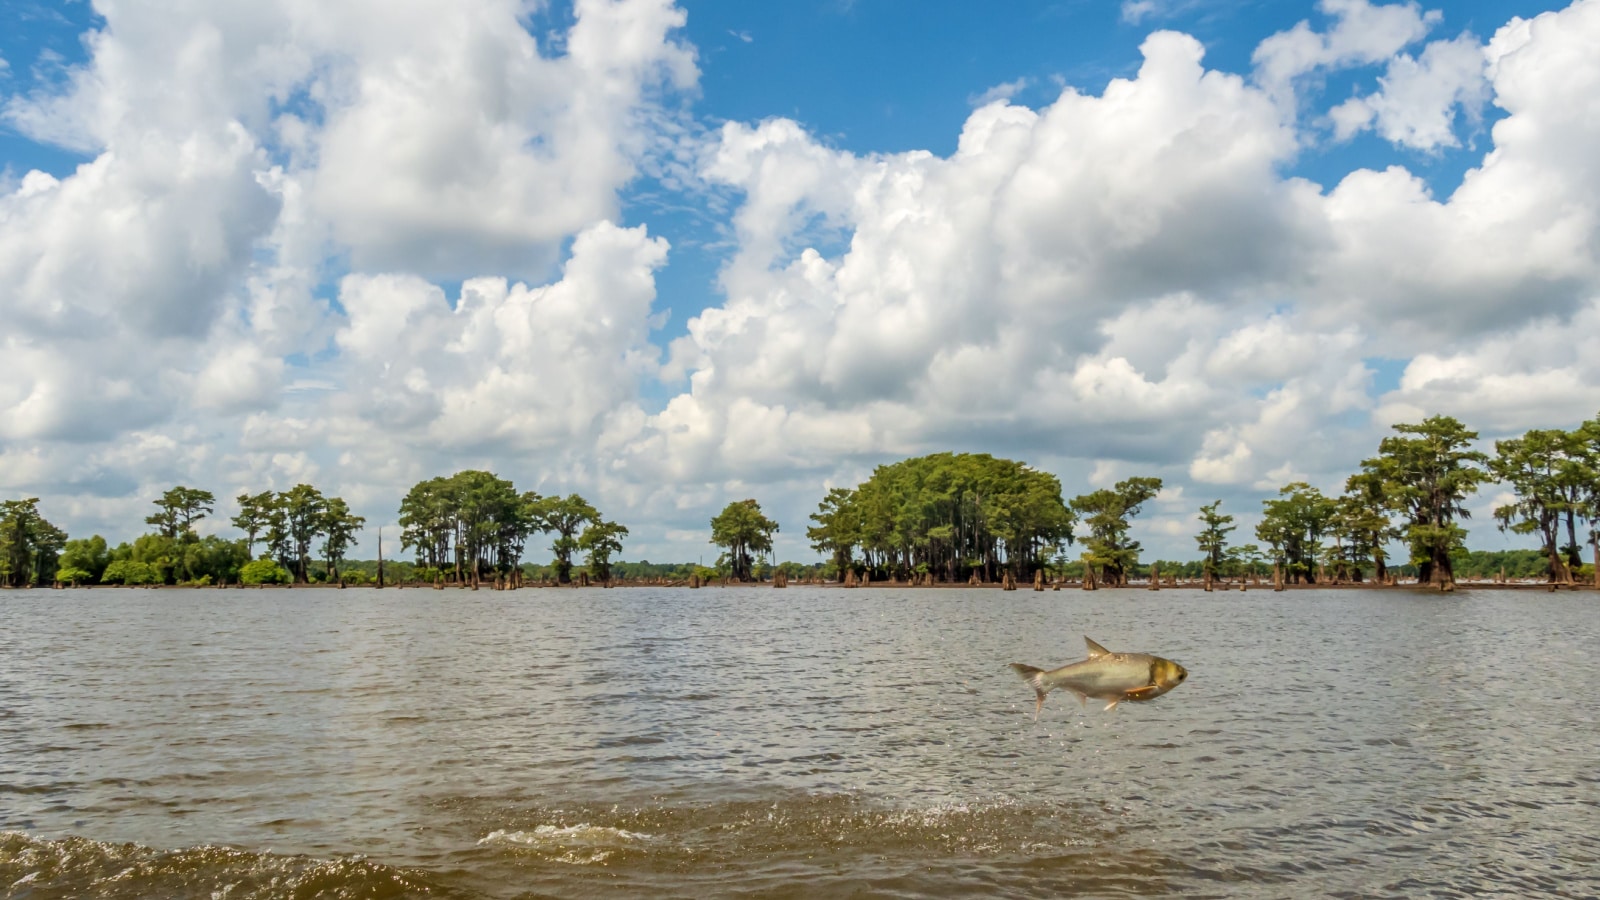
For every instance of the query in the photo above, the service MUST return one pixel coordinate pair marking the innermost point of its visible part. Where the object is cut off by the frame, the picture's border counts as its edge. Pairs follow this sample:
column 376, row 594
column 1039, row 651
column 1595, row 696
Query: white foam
column 553, row 836
column 578, row 845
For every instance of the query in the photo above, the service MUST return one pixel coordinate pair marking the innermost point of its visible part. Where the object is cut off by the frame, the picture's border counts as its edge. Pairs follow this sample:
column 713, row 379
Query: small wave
column 578, row 845
column 545, row 835
column 76, row 867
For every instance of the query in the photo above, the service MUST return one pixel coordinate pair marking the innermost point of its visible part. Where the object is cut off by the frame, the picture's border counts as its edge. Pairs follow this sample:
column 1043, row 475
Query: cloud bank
column 367, row 246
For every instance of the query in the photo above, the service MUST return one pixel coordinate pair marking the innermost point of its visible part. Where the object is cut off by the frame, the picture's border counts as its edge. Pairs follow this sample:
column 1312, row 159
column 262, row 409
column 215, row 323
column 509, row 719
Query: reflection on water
column 799, row 742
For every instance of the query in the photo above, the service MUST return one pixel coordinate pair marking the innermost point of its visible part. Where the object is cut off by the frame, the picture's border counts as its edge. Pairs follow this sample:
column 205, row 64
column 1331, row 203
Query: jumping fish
column 1112, row 677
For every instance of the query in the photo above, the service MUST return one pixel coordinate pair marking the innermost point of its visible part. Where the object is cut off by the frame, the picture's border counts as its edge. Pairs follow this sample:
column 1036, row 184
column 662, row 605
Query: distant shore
column 1181, row 585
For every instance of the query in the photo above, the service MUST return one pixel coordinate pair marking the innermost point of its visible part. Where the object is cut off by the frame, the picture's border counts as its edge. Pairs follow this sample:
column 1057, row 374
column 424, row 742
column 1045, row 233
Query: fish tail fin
column 1031, row 674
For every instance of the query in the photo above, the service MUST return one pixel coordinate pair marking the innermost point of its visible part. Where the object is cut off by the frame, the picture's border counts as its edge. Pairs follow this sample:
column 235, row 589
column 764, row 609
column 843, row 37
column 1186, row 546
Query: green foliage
column 87, row 555
column 161, row 553
column 795, row 571
column 839, row 527
column 1361, row 528
column 601, row 540
column 648, row 569
column 215, row 559
column 395, row 571
column 1106, row 514
column 29, row 544
column 947, row 512
column 743, row 531
column 339, row 528
column 184, row 560
column 1294, row 526
column 1213, row 538
column 1427, row 474
column 471, row 521
column 178, row 510
column 74, row 575
column 1486, row 565
column 263, row 571
column 564, row 516
column 128, row 571
column 301, row 516
column 1553, row 473
column 289, row 523
column 255, row 516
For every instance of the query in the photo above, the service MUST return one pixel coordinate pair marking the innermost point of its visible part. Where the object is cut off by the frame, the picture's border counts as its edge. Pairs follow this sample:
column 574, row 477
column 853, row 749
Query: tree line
column 948, row 515
column 963, row 516
column 474, row 524
column 1414, row 492
column 945, row 516
column 468, row 526
column 287, row 524
column 958, row 516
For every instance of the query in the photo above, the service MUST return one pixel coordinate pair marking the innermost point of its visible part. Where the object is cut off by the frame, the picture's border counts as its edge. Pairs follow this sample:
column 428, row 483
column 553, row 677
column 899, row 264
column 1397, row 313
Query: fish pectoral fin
column 1111, row 704
column 1144, row 693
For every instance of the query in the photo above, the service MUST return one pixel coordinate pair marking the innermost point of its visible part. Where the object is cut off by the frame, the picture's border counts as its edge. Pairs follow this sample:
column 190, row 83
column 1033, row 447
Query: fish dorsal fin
column 1095, row 649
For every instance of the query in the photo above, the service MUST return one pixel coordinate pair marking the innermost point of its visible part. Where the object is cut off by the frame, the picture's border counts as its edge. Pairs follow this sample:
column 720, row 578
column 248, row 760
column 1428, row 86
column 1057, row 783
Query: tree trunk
column 1155, row 577
column 1594, row 547
column 1443, row 570
column 1558, row 570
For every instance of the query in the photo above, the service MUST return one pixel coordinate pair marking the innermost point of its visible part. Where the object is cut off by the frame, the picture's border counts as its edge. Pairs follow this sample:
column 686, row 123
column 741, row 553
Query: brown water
column 642, row 742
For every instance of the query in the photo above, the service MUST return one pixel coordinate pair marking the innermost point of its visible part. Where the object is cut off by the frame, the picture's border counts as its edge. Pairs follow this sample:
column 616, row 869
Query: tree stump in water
column 694, row 581
column 1038, row 580
column 1006, row 584
column 1155, row 577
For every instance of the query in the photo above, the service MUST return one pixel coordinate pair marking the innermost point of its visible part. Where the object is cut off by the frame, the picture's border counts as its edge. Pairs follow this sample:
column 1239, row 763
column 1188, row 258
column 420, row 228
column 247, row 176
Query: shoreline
column 1218, row 587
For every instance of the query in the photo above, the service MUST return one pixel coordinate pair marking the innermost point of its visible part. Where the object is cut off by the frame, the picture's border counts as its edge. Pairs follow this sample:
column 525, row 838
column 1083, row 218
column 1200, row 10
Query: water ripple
column 803, row 743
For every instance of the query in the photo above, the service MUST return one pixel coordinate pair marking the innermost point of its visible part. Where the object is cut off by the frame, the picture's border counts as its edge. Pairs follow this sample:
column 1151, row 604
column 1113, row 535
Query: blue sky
column 672, row 254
